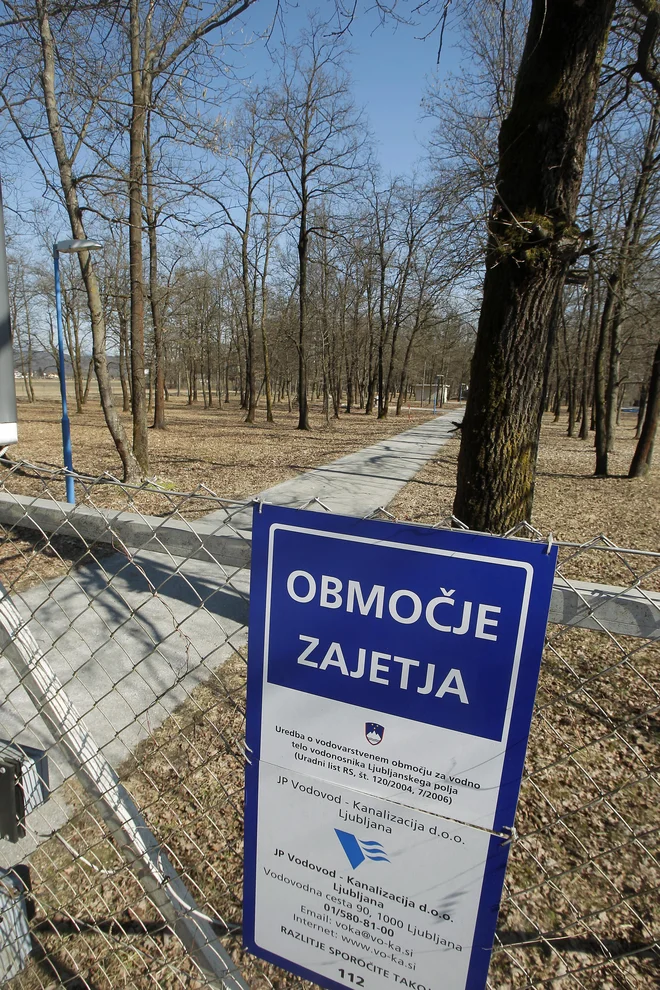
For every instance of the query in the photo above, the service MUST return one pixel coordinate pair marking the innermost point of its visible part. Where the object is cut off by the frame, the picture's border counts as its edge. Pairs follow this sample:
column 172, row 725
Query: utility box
column 426, row 394
column 16, row 909
column 23, row 786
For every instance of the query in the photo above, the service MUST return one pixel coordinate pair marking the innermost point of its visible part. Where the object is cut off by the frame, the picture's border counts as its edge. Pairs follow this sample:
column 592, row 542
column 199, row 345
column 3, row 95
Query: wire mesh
column 137, row 601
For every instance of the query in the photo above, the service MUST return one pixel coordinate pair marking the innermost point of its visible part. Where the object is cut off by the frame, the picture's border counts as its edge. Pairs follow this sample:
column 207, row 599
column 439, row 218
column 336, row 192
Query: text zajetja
column 405, row 607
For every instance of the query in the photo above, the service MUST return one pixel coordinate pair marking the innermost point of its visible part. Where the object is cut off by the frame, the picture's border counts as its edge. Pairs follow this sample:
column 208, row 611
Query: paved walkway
column 362, row 482
column 128, row 656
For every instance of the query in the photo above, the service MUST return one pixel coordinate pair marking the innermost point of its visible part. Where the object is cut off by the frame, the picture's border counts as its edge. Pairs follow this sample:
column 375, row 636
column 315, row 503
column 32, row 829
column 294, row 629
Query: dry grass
column 212, row 447
column 583, row 878
column 27, row 559
column 93, row 921
column 581, row 884
column 569, row 502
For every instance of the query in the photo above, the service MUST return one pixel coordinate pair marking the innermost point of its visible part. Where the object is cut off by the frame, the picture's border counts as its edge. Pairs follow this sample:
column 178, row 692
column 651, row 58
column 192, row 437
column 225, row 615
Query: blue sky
column 390, row 66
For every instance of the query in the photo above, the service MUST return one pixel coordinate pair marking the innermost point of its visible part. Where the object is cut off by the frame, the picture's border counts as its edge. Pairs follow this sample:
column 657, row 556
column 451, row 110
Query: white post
column 8, row 426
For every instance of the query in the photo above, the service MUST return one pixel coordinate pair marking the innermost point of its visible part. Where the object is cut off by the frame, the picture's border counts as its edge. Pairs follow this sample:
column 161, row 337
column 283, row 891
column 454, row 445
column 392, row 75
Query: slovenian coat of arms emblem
column 374, row 732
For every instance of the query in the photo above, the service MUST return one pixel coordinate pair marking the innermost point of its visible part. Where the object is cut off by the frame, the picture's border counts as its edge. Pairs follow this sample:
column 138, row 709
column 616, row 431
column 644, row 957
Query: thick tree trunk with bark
column 532, row 242
column 641, row 461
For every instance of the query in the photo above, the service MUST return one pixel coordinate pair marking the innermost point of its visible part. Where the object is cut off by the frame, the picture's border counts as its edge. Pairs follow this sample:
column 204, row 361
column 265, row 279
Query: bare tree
column 37, row 27
column 642, row 457
column 316, row 140
column 254, row 166
column 618, row 287
column 160, row 36
column 20, row 302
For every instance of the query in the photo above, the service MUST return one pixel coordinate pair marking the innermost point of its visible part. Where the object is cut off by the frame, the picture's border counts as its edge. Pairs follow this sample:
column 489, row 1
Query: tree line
column 251, row 241
column 258, row 247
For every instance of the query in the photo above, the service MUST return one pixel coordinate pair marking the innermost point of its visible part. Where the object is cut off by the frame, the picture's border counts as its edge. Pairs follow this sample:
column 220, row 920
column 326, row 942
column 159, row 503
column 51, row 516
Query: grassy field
column 212, row 447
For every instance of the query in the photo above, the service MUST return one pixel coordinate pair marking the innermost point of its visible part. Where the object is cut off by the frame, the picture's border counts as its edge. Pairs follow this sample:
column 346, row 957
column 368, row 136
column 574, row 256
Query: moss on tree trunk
column 532, row 242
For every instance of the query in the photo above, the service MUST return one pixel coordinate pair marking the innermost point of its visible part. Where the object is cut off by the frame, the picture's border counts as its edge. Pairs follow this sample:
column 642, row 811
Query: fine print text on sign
column 391, row 680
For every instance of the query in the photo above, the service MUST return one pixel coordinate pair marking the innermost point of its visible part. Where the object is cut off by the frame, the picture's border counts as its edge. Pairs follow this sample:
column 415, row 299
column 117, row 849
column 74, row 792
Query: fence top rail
column 233, row 506
column 226, row 540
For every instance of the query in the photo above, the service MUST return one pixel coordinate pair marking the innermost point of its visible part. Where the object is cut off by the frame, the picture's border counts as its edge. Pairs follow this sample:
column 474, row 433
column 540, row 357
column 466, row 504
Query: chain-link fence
column 123, row 627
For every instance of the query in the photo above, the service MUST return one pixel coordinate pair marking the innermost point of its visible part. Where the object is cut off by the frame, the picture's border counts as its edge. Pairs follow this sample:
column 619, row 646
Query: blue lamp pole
column 66, row 247
column 8, row 424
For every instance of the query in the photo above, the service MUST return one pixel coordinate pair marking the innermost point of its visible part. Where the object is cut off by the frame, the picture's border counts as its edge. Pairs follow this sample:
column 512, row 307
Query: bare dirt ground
column 212, row 447
column 203, row 451
column 569, row 502
column 580, row 910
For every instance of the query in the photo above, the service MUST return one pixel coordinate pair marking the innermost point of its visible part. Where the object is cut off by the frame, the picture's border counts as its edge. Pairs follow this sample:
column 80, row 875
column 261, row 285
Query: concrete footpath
column 370, row 478
column 130, row 638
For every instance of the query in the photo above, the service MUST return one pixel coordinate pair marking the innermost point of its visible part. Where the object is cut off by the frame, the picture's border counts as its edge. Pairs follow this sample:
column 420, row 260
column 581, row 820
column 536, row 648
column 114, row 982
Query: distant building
column 425, row 394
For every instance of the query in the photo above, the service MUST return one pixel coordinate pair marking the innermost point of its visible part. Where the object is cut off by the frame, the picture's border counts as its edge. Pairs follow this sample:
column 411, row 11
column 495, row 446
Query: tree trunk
column 612, row 390
column 641, row 412
column 532, row 243
column 157, row 385
column 131, row 468
column 641, row 461
column 557, row 402
column 264, row 316
column 382, row 335
column 406, row 360
column 30, row 387
column 266, row 354
column 601, row 378
column 587, row 362
column 248, row 302
column 88, row 381
column 619, row 281
column 303, row 246
column 136, row 139
column 17, row 336
column 124, row 376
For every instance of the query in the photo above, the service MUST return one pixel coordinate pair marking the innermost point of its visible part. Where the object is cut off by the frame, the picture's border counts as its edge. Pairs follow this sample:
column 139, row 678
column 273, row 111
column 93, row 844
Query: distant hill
column 43, row 363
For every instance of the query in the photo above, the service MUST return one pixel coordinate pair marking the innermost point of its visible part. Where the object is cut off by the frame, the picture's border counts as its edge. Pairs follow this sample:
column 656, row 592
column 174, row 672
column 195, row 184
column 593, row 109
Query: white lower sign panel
column 353, row 890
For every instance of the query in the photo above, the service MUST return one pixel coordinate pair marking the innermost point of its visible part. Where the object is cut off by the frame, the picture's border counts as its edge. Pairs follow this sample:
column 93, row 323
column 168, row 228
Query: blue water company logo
column 357, row 850
column 374, row 732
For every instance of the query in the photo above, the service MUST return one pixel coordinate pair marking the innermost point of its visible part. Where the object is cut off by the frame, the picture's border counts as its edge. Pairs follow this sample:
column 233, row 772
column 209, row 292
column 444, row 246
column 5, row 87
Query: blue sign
column 390, row 662
column 425, row 635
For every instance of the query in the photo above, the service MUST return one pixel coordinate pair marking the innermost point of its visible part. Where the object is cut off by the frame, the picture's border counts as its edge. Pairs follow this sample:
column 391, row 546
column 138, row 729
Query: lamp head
column 75, row 246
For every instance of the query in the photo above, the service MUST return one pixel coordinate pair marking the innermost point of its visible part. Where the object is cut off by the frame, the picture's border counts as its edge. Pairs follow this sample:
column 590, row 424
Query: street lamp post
column 8, row 425
column 66, row 247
